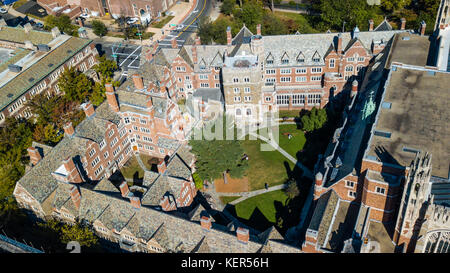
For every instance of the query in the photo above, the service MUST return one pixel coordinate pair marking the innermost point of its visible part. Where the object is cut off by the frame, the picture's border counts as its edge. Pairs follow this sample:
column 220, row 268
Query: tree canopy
column 99, row 28
column 315, row 119
column 63, row 23
column 74, row 84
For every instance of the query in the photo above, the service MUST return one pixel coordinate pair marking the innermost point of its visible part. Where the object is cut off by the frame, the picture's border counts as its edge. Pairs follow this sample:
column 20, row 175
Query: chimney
column 242, row 234
column 27, row 27
column 162, row 166
column 80, row 22
column 135, row 202
column 138, row 82
column 423, row 26
column 111, row 97
column 354, row 88
column 339, row 44
column 258, row 29
column 73, row 175
column 88, row 109
column 229, row 35
column 319, row 179
column 174, row 42
column 194, row 54
column 370, row 25
column 68, row 129
column 124, row 189
column 149, row 102
column 75, row 196
column 403, row 24
column 55, row 32
column 34, row 154
column 205, row 222
column 198, row 41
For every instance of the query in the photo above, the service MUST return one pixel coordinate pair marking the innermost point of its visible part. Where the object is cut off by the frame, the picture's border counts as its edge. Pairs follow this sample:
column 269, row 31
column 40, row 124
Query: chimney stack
column 423, row 26
column 174, row 42
column 124, row 189
column 34, row 154
column 258, row 29
column 88, row 109
column 149, row 102
column 138, row 82
column 135, row 202
column 354, row 88
column 319, row 179
column 162, row 166
column 339, row 44
column 198, row 41
column 229, row 38
column 370, row 25
column 68, row 129
column 194, row 54
column 80, row 22
column 73, row 175
column 242, row 234
column 111, row 97
column 403, row 24
column 205, row 222
column 75, row 196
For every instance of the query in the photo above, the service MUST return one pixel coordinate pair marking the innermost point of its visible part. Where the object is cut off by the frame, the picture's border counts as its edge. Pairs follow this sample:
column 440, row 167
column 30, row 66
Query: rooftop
column 414, row 117
column 410, row 49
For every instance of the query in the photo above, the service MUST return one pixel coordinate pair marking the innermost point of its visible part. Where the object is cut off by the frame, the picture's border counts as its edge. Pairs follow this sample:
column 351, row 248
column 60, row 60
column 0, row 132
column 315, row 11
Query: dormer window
column 285, row 59
column 269, row 62
column 316, row 57
column 300, row 58
column 269, row 59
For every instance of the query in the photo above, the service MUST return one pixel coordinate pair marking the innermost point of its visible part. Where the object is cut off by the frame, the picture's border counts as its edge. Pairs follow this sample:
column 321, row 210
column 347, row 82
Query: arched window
column 349, row 68
column 238, row 112
column 249, row 112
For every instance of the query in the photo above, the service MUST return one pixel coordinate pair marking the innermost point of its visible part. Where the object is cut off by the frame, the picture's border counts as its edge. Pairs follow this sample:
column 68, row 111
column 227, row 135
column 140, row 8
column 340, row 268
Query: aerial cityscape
column 206, row 126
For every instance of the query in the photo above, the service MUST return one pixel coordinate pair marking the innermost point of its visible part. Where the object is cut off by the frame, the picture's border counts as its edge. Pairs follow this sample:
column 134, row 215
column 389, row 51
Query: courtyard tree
column 291, row 189
column 227, row 7
column 99, row 28
column 74, row 84
column 105, row 67
column 63, row 23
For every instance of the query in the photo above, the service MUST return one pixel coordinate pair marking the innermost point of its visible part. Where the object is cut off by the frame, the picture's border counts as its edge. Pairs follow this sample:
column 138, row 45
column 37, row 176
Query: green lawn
column 288, row 113
column 265, row 204
column 131, row 169
column 264, row 166
column 228, row 199
column 299, row 19
column 19, row 3
column 297, row 141
column 162, row 23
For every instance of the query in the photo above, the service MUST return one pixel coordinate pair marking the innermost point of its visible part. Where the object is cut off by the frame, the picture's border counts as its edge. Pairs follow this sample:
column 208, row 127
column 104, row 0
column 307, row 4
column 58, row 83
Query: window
column 246, row 79
column 269, row 61
column 249, row 112
column 285, row 79
column 238, row 112
column 270, row 81
column 236, row 90
column 298, row 99
column 105, row 155
column 98, row 170
column 187, row 78
column 331, row 64
column 217, row 85
column 203, row 76
column 181, row 68
column 300, row 70
column 283, row 99
column 349, row 68
column 247, row 98
column 111, row 133
column 95, row 161
column 91, row 152
column 127, row 120
column 246, row 89
column 102, row 144
column 204, row 84
column 161, row 150
column 237, row 99
column 360, row 59
column 300, row 60
column 352, row 194
column 349, row 184
column 350, row 59
column 380, row 190
column 113, row 142
column 300, row 79
column 235, row 80
column 116, row 151
column 285, row 71
column 316, row 70
column 313, row 98
column 285, row 61
column 316, row 78
column 268, row 99
column 270, row 71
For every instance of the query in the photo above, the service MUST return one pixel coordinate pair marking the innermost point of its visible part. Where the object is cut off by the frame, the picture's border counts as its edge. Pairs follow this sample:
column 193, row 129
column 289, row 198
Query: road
column 203, row 8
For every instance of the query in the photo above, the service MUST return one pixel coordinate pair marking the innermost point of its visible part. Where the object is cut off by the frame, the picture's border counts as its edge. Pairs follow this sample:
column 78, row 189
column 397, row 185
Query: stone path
column 139, row 160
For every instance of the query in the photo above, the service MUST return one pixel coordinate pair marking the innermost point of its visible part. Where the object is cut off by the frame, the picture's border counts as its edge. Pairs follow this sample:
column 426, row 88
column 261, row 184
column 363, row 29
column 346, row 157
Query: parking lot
column 127, row 56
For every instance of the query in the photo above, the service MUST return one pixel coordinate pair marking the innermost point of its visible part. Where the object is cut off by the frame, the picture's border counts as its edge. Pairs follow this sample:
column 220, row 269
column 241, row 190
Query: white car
column 132, row 21
column 2, row 10
column 180, row 27
column 84, row 15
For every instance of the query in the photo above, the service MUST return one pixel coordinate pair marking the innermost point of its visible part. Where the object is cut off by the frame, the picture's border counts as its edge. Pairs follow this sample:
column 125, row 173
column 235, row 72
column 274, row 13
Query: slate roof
column 106, row 186
column 18, row 35
column 167, row 143
column 92, row 128
column 149, row 178
column 383, row 26
column 177, row 168
column 207, row 94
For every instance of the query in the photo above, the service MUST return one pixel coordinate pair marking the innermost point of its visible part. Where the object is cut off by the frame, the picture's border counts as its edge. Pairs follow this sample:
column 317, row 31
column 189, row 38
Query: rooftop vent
column 386, row 105
column 406, row 38
column 31, row 79
column 69, row 51
column 10, row 95
column 50, row 65
column 382, row 134
column 410, row 150
column 14, row 68
column 43, row 47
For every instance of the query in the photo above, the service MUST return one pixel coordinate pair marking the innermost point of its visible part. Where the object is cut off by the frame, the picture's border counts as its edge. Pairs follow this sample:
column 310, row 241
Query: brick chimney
column 319, row 179
column 111, row 97
column 354, row 88
column 318, row 185
column 124, row 189
column 149, row 102
column 88, row 109
column 174, row 42
column 258, row 29
column 198, row 41
column 194, row 54
column 205, row 222
column 80, row 22
column 370, row 25
column 34, row 154
column 75, row 196
column 229, row 38
column 138, row 82
column 162, row 166
column 402, row 23
column 135, row 202
column 339, row 44
column 422, row 28
column 242, row 234
column 73, row 175
column 68, row 129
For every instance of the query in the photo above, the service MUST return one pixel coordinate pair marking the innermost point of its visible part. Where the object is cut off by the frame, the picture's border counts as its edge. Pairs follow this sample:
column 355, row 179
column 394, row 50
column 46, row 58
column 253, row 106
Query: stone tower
column 414, row 201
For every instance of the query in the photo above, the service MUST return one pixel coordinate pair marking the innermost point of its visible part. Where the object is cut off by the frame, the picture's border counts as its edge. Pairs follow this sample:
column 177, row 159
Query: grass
column 149, row 161
column 131, row 169
column 228, row 199
column 296, row 143
column 115, row 34
column 299, row 19
column 265, row 203
column 265, row 166
column 162, row 23
column 288, row 113
column 19, row 3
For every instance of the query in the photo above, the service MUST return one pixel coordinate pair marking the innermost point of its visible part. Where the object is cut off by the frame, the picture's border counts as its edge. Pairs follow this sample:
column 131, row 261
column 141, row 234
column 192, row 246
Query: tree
column 78, row 233
column 354, row 12
column 99, row 28
column 227, row 7
column 315, row 119
column 74, row 84
column 197, row 181
column 42, row 107
column 272, row 25
column 291, row 189
column 205, row 30
column 62, row 22
column 105, row 67
column 47, row 134
column 308, row 124
column 251, row 13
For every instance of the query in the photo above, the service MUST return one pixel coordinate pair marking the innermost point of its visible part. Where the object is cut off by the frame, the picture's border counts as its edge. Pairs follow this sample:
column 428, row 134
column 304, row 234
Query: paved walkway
column 139, row 160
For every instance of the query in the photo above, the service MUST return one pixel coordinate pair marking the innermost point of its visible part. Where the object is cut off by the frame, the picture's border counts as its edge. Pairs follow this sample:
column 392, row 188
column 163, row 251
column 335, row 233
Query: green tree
column 74, row 84
column 47, row 134
column 308, row 124
column 219, row 30
column 99, row 28
column 272, row 25
column 78, row 233
column 205, row 30
column 251, row 13
column 42, row 107
column 62, row 22
column 291, row 189
column 105, row 67
column 353, row 12
column 197, row 181
column 227, row 7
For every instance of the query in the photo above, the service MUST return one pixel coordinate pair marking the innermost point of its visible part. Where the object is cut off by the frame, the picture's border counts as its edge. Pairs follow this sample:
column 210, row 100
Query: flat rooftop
column 409, row 48
column 414, row 116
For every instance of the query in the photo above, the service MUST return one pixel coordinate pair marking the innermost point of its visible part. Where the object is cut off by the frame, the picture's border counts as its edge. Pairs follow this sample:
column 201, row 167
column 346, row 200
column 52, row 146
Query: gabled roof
column 105, row 186
column 183, row 54
column 270, row 234
column 218, row 60
column 383, row 26
column 202, row 247
column 243, row 37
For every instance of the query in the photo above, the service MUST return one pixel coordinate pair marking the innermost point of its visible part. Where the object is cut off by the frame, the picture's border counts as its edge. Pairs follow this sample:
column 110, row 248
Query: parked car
column 132, row 21
column 39, row 25
column 180, row 27
column 2, row 10
column 84, row 15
